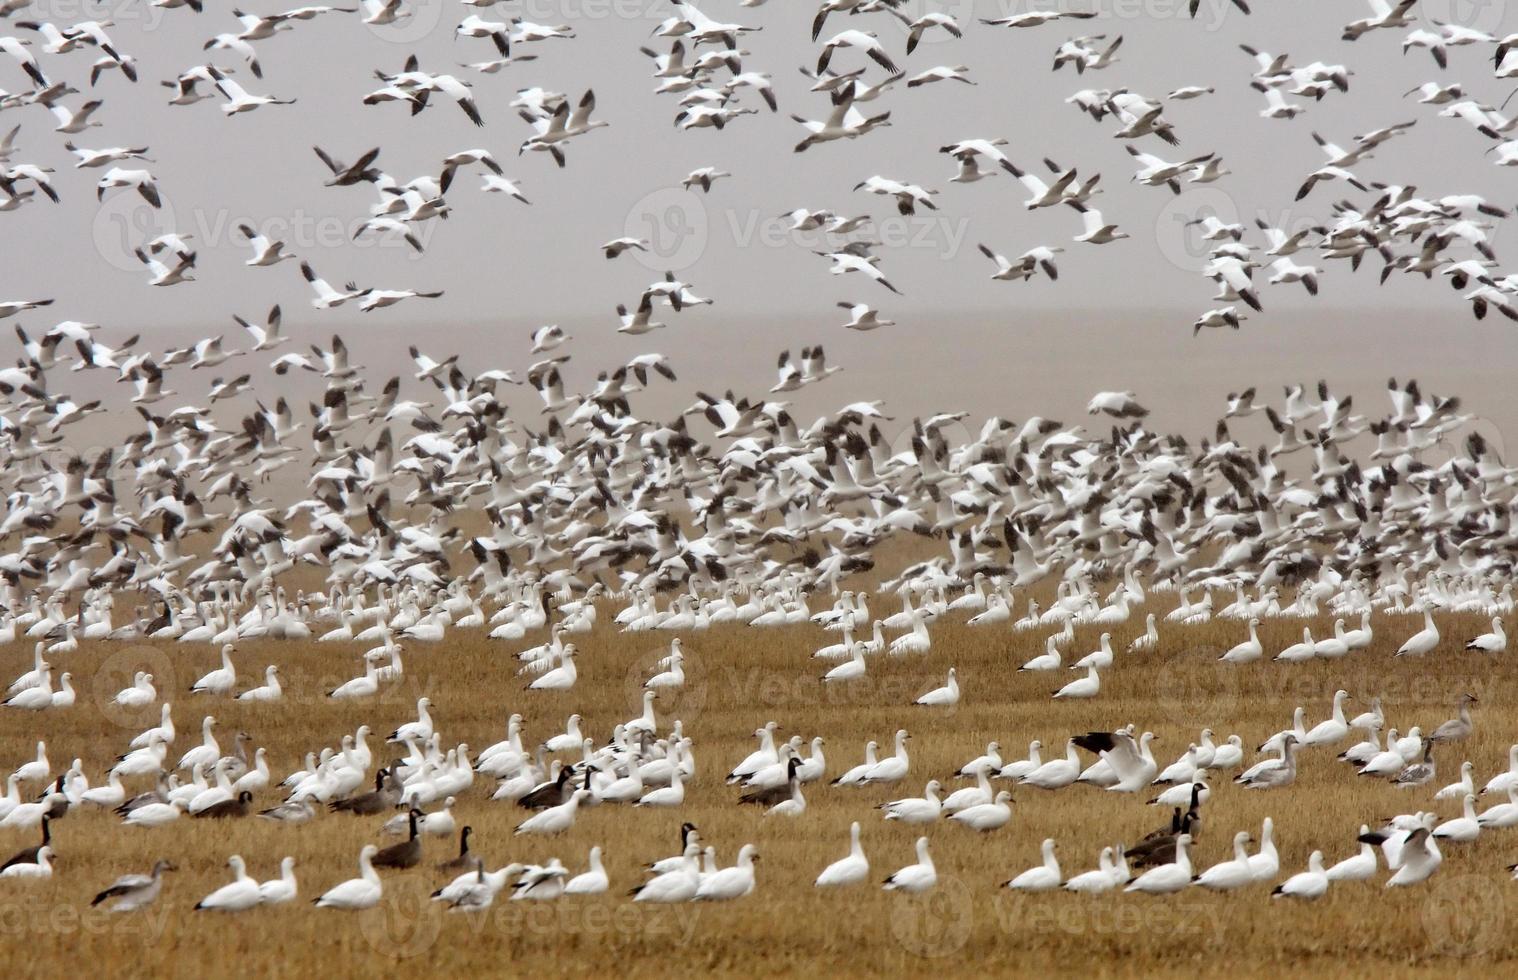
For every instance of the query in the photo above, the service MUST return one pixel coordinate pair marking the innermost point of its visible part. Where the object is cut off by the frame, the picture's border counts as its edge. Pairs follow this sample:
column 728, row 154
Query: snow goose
column 893, row 768
column 1464, row 828
column 1422, row 642
column 1493, row 642
column 134, row 891
column 593, row 881
column 37, row 770
column 1085, row 687
column 1167, row 878
column 855, row 776
column 986, row 817
column 1418, row 773
column 219, row 681
column 1105, row 877
column 363, row 892
column 1229, row 875
column 140, row 694
column 1466, row 784
column 1041, row 878
column 1048, row 660
column 945, row 696
column 1504, row 781
column 278, row 891
column 915, row 878
column 1333, row 729
column 1418, row 859
column 239, row 895
column 1020, row 768
column 1457, row 729
column 730, row 883
column 1056, row 773
column 924, row 809
column 1265, row 864
column 1359, row 867
column 1248, row 651
column 678, row 884
column 848, row 870
column 40, row 867
column 1501, row 814
column 1309, row 884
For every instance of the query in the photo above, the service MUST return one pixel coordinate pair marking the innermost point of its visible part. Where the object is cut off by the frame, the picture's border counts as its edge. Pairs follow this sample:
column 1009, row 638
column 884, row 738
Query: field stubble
column 739, row 678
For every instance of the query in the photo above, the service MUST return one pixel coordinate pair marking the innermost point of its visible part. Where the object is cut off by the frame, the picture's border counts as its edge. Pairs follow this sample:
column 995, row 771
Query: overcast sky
column 1119, row 315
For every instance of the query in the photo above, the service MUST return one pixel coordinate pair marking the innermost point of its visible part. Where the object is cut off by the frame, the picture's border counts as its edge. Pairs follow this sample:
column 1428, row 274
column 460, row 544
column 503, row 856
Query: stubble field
column 739, row 678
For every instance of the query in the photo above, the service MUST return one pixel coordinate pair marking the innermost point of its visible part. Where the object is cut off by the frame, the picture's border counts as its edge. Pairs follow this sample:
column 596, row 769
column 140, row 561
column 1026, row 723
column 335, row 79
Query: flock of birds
column 732, row 512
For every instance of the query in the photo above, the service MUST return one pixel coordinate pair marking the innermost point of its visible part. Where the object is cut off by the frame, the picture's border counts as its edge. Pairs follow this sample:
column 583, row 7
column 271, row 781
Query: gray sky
column 1119, row 316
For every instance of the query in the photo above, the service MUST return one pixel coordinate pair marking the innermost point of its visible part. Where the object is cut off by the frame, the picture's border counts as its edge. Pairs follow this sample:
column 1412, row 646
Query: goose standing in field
column 1422, row 642
column 593, row 881
column 1359, row 867
column 1459, row 728
column 923, row 809
column 946, row 696
column 1056, row 773
column 1492, row 642
column 278, row 891
column 1464, row 828
column 1231, row 874
column 1310, row 884
column 134, row 891
column 893, row 768
column 40, row 866
column 851, row 869
column 986, row 817
column 239, row 895
column 730, row 883
column 1042, row 877
column 915, row 878
column 363, row 892
column 1082, row 688
column 1266, row 863
column 219, row 681
column 1167, row 878
column 1418, row 773
column 1331, row 730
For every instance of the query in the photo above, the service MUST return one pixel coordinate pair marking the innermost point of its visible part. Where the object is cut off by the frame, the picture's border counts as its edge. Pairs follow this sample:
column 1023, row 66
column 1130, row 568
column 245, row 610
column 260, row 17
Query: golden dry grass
column 740, row 678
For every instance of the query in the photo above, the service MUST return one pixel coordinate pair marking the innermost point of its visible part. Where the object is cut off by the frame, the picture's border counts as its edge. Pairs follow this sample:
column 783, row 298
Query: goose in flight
column 1027, row 264
column 866, row 41
column 328, row 298
column 857, row 260
column 617, row 246
column 238, row 98
column 844, row 122
column 1097, row 231
column 265, row 252
column 863, row 317
column 1037, row 18
column 99, row 158
column 142, row 180
column 348, row 174
column 909, row 197
column 165, row 275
